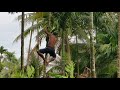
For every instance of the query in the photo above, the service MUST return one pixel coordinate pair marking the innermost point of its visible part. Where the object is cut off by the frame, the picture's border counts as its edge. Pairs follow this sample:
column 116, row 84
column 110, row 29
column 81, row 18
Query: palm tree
column 38, row 18
column 92, row 57
column 118, row 71
column 2, row 50
column 22, row 42
column 29, row 47
column 10, row 56
column 66, row 24
column 106, row 27
column 22, row 39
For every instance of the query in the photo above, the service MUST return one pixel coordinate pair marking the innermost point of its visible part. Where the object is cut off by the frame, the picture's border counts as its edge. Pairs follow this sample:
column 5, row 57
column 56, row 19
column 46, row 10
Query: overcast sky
column 10, row 29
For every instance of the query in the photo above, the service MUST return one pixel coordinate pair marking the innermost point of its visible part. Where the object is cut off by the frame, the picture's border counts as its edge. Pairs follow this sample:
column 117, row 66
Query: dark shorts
column 49, row 50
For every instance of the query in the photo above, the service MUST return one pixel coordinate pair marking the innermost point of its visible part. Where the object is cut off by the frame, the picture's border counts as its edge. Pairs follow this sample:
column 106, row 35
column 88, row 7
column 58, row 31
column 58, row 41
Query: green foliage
column 2, row 50
column 69, row 71
column 69, row 68
column 108, row 70
column 18, row 74
column 35, row 62
column 82, row 54
column 1, row 67
column 56, row 75
column 4, row 73
column 10, row 68
column 30, row 71
column 71, row 24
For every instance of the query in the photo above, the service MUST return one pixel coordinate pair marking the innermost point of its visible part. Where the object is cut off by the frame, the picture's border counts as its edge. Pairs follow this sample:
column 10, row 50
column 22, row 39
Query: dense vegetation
column 94, row 53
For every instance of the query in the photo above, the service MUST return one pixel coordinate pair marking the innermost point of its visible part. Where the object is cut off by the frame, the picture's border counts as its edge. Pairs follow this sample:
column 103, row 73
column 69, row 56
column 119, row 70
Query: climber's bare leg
column 41, row 55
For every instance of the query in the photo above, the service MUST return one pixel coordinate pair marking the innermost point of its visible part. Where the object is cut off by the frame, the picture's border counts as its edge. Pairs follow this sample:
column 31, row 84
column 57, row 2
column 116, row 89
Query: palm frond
column 27, row 31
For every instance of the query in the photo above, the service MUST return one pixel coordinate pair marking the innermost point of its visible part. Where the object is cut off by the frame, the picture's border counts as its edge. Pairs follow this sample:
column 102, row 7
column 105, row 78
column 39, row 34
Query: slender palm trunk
column 49, row 25
column 22, row 42
column 63, row 51
column 29, row 47
column 118, row 59
column 67, row 48
column 38, row 40
column 77, row 56
column 38, row 43
column 46, row 55
column 92, row 49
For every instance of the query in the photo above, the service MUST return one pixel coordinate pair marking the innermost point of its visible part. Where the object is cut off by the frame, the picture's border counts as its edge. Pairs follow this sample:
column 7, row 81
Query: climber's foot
column 46, row 62
column 51, row 60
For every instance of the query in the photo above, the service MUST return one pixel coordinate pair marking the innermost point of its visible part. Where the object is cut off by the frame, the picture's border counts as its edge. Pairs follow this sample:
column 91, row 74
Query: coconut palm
column 38, row 19
column 22, row 39
column 2, row 51
column 10, row 56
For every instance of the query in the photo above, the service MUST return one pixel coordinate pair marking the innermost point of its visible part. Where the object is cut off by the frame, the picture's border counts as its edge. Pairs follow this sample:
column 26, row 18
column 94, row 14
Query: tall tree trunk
column 29, row 47
column 38, row 43
column 92, row 49
column 77, row 56
column 67, row 46
column 38, row 40
column 46, row 55
column 63, row 51
column 118, row 59
column 22, row 42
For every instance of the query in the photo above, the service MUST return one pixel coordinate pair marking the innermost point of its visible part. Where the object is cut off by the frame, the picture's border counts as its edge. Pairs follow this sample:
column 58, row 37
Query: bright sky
column 10, row 28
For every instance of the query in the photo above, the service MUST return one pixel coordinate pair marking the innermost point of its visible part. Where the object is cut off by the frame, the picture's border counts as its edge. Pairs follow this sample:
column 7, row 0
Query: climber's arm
column 46, row 31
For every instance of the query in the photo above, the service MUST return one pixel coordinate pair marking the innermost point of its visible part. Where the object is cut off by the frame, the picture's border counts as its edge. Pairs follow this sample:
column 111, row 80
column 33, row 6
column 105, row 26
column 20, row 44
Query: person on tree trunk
column 51, row 40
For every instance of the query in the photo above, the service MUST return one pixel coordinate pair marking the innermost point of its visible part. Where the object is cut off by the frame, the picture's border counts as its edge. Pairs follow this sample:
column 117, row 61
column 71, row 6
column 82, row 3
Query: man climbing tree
column 51, row 40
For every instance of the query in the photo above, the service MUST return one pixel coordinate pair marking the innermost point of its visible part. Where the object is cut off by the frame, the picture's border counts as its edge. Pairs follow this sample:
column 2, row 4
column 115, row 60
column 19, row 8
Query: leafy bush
column 30, row 71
